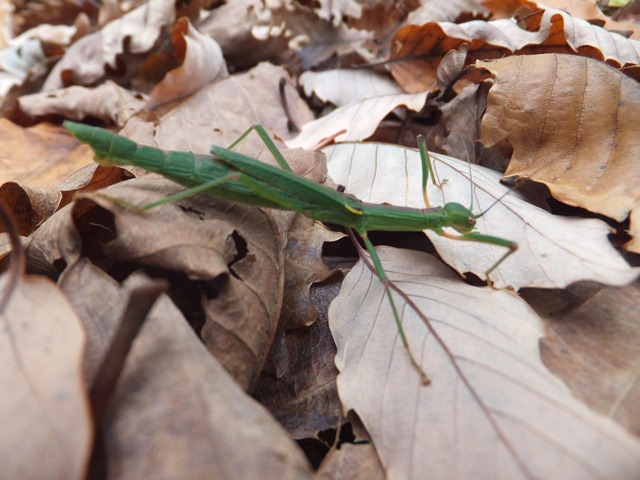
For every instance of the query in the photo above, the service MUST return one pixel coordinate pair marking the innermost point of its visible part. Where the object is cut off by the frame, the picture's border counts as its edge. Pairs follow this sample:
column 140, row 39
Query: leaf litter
column 85, row 237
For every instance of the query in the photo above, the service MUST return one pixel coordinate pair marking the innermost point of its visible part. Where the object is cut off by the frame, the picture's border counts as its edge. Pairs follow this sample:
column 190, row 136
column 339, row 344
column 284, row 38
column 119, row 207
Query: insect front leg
column 427, row 169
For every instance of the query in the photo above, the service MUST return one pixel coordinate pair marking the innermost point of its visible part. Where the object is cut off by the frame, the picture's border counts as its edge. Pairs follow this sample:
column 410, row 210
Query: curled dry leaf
column 84, row 62
column 492, row 409
column 43, row 406
column 176, row 413
column 359, row 119
column 417, row 50
column 573, row 127
column 552, row 251
column 231, row 24
column 235, row 249
column 201, row 62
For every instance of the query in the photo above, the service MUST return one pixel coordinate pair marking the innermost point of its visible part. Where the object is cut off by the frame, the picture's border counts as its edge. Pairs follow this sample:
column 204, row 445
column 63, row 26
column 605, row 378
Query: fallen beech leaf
column 437, row 11
column 352, row 461
column 38, row 156
column 176, row 412
column 219, row 113
column 84, row 62
column 236, row 248
column 43, row 406
column 231, row 25
column 314, row 40
column 572, row 126
column 304, row 399
column 552, row 251
column 359, row 119
column 304, row 267
column 417, row 50
column 108, row 102
column 201, row 62
column 342, row 86
column 495, row 412
column 593, row 345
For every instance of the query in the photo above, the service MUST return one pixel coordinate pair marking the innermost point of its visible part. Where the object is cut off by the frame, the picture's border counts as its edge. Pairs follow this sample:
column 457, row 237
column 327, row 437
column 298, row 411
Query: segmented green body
column 257, row 183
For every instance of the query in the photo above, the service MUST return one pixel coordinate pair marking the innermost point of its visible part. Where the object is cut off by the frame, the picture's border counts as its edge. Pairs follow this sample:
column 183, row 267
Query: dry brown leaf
column 38, row 156
column 553, row 31
column 359, row 119
column 201, row 62
column 231, row 25
column 46, row 424
column 593, row 345
column 219, row 113
column 553, row 251
column 107, row 102
column 176, row 412
column 492, row 408
column 84, row 62
column 204, row 238
column 572, row 126
column 314, row 40
column 305, row 398
column 304, row 267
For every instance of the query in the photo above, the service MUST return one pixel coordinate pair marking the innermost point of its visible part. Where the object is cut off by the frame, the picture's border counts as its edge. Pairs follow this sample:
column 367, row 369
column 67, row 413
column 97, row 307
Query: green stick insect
column 233, row 176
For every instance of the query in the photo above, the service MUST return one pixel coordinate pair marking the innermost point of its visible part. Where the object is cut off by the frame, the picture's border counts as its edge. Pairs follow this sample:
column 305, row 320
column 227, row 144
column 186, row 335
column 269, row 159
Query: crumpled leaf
column 84, row 62
column 43, row 406
column 176, row 412
column 572, row 127
column 552, row 251
column 201, row 62
column 359, row 119
column 492, row 409
column 417, row 50
column 204, row 239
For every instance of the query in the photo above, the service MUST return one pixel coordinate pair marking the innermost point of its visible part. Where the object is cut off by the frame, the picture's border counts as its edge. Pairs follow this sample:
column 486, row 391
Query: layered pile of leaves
column 196, row 340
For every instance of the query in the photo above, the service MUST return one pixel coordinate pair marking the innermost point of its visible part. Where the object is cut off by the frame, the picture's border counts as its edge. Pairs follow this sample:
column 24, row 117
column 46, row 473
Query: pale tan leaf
column 201, row 63
column 176, row 413
column 342, row 86
column 46, row 423
column 492, row 409
column 108, row 102
column 552, row 251
column 572, row 126
column 592, row 345
column 359, row 119
column 438, row 11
